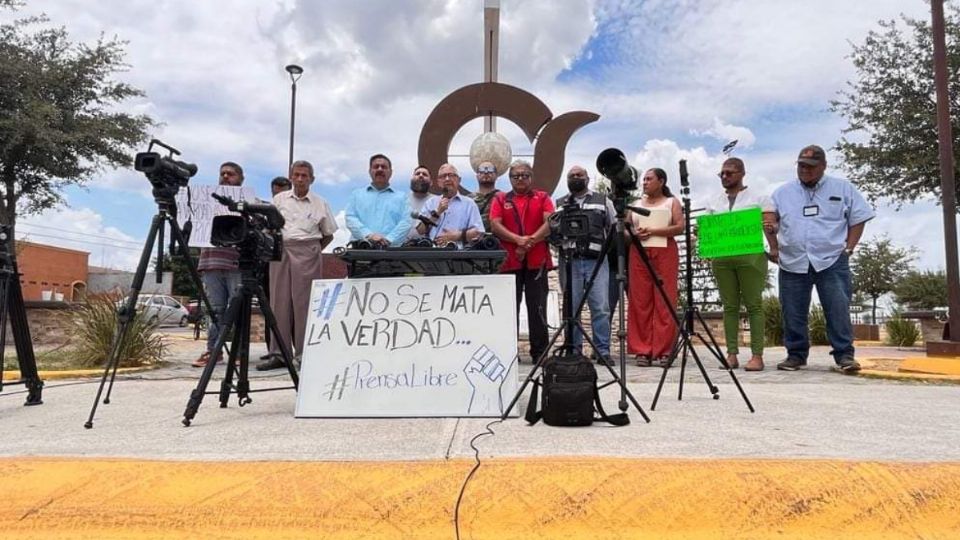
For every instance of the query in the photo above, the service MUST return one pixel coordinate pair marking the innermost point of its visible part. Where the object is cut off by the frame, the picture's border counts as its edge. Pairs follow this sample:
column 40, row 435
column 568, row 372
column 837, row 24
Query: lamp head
column 295, row 71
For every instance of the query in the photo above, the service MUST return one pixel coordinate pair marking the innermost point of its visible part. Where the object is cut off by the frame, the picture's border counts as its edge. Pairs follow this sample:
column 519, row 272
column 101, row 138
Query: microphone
column 424, row 219
column 640, row 210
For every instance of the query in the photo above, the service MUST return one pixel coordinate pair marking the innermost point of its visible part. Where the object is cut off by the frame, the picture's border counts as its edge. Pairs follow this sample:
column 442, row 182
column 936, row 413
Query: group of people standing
column 812, row 225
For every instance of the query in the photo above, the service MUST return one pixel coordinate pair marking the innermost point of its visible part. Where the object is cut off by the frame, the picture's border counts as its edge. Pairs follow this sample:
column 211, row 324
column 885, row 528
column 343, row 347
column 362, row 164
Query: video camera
column 167, row 175
column 569, row 226
column 256, row 232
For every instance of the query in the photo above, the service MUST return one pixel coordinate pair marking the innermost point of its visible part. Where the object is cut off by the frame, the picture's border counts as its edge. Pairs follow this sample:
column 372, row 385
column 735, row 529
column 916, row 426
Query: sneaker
column 791, row 364
column 848, row 364
column 605, row 360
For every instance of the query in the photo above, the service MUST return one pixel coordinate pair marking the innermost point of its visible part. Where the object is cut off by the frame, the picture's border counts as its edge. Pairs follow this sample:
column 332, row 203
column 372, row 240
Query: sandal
column 644, row 360
column 732, row 361
column 202, row 361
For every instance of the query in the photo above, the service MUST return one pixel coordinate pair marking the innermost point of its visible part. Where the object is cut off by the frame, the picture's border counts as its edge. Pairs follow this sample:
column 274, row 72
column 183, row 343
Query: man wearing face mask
column 419, row 193
column 601, row 213
column 486, row 190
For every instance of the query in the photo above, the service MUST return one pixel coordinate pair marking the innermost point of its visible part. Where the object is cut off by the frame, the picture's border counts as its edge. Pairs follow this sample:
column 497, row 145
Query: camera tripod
column 571, row 320
column 12, row 310
column 237, row 320
column 166, row 214
column 686, row 330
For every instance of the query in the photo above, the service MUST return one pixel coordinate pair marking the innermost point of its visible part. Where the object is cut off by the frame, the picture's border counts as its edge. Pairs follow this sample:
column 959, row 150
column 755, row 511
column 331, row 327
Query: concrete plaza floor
column 811, row 435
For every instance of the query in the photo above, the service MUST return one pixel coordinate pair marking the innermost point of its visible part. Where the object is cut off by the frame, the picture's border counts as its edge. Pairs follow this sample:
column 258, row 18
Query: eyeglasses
column 448, row 175
column 486, row 171
column 521, row 176
column 721, row 174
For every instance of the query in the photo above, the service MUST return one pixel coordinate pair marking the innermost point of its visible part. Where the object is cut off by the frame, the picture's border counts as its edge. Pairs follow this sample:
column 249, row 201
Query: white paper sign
column 203, row 208
column 410, row 346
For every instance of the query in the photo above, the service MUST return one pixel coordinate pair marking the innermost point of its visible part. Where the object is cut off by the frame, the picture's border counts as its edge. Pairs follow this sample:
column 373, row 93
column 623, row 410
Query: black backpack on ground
column 570, row 394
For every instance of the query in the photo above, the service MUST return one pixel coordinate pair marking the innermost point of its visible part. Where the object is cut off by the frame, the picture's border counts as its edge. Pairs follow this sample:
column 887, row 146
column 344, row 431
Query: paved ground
column 824, row 454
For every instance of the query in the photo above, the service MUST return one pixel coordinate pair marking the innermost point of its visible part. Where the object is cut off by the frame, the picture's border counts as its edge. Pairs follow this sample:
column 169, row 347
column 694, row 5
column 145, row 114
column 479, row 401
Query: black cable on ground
column 476, row 456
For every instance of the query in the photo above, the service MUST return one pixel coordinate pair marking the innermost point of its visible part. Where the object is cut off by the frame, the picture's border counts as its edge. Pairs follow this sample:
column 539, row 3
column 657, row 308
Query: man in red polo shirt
column 519, row 219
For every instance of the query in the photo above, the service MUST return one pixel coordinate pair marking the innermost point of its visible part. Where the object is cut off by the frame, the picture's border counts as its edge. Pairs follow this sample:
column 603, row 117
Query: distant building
column 110, row 281
column 51, row 273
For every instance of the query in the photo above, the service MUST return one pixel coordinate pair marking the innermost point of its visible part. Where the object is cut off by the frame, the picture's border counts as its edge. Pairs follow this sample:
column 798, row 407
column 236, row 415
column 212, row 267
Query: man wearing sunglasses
column 519, row 218
column 818, row 221
column 486, row 190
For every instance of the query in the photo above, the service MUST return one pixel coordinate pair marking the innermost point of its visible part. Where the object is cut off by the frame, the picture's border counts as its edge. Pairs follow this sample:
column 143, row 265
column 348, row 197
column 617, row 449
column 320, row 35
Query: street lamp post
column 947, row 181
column 295, row 72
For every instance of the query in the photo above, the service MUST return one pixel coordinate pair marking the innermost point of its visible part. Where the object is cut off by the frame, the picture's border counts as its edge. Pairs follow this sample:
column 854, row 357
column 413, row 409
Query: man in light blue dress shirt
column 456, row 217
column 819, row 221
column 378, row 213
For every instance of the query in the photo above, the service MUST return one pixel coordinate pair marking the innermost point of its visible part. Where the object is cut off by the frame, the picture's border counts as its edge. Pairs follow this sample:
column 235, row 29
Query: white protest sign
column 410, row 346
column 202, row 208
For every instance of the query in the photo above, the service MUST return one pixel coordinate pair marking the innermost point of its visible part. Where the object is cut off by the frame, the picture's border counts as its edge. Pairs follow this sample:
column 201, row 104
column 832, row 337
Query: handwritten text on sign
column 201, row 208
column 730, row 233
column 420, row 346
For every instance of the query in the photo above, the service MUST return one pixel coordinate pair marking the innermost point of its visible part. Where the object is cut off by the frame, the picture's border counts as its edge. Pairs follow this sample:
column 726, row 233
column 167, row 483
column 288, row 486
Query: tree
column 922, row 290
column 877, row 266
column 893, row 104
column 58, row 120
column 182, row 283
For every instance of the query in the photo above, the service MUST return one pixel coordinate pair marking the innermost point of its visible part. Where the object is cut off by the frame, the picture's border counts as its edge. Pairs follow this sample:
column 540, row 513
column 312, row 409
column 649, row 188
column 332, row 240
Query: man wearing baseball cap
column 819, row 220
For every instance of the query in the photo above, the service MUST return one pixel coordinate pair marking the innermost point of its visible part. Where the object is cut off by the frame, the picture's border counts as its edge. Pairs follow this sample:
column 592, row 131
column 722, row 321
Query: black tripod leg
column 226, row 385
column 723, row 360
column 196, row 397
column 271, row 321
column 683, row 368
column 703, row 372
column 243, row 360
column 125, row 316
column 663, row 373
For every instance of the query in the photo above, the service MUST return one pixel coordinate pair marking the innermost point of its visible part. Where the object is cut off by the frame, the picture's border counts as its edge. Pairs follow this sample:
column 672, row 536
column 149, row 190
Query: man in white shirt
column 308, row 229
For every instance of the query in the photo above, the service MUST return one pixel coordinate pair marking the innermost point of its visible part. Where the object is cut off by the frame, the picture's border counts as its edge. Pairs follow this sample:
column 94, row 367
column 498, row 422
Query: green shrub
column 901, row 332
column 772, row 321
column 818, row 327
column 94, row 326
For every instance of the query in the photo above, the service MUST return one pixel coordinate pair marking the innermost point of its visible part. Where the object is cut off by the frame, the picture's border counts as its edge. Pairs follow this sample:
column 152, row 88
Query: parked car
column 162, row 309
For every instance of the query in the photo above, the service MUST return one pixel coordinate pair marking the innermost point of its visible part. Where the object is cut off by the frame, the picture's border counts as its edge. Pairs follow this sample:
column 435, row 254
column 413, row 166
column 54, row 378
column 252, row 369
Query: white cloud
column 82, row 229
column 726, row 133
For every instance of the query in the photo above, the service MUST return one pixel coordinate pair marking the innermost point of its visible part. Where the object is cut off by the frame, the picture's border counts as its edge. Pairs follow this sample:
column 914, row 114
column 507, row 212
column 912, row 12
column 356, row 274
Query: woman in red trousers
column 651, row 329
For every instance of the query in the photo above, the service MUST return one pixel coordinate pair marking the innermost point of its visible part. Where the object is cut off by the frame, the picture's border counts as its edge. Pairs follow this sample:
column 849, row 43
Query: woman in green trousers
column 742, row 278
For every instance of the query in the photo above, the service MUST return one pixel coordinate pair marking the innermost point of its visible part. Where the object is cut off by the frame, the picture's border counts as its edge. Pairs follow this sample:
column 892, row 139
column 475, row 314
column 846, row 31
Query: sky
column 670, row 79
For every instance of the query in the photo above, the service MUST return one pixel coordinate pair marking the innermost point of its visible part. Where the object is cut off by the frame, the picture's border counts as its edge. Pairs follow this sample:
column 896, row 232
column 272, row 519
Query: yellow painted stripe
column 936, row 366
column 74, row 373
column 523, row 498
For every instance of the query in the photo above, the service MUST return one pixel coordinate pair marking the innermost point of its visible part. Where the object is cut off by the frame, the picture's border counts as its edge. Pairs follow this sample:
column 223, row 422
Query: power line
column 79, row 241
column 68, row 231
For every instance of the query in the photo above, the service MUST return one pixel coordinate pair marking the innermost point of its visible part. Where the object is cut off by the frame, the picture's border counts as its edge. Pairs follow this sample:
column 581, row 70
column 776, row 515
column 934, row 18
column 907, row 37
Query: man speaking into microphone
column 450, row 217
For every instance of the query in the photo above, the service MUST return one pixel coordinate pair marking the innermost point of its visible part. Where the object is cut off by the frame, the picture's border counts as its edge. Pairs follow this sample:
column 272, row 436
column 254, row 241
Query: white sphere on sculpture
column 492, row 147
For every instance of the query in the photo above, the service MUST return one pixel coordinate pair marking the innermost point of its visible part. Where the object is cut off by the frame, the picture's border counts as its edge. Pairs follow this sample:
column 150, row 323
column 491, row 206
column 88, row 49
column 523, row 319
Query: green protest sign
column 730, row 233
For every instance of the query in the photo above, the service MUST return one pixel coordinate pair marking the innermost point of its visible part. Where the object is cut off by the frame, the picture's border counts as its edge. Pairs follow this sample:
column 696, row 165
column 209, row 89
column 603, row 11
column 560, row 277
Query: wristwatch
column 848, row 251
